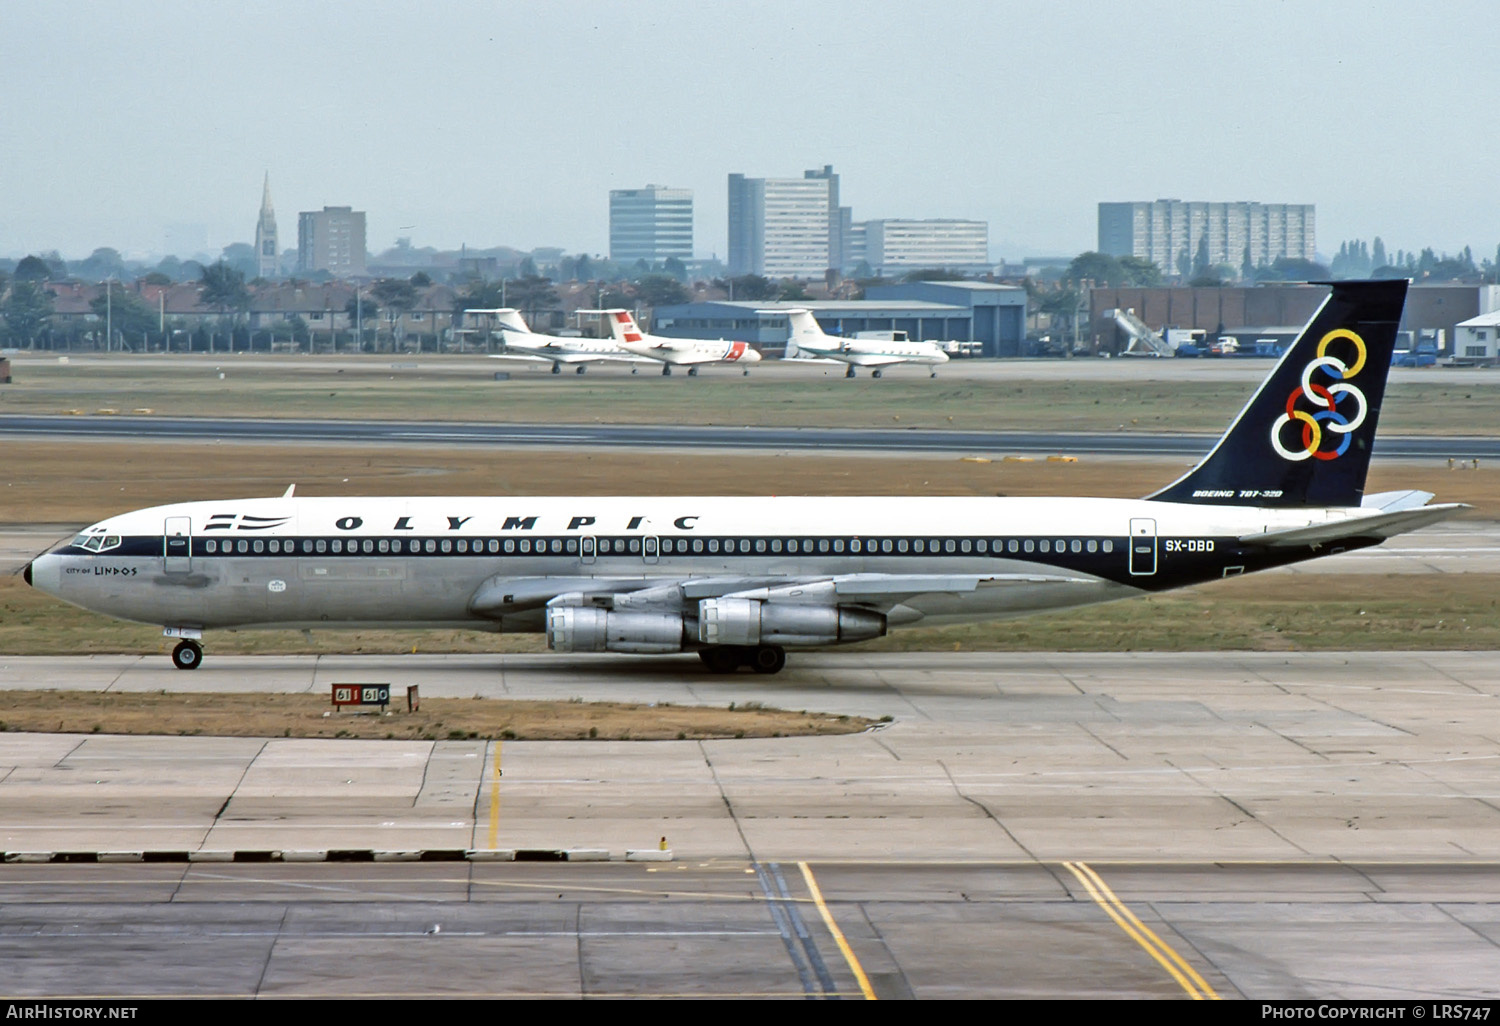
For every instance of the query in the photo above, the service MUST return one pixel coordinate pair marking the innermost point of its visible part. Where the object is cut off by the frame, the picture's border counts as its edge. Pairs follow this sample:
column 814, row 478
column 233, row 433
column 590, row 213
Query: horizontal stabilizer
column 1389, row 502
column 1378, row 525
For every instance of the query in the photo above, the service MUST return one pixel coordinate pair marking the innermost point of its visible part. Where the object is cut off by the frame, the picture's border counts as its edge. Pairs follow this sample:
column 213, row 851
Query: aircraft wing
column 812, row 359
column 518, row 356
column 873, row 359
column 1378, row 525
column 547, row 355
column 684, row 356
column 507, row 595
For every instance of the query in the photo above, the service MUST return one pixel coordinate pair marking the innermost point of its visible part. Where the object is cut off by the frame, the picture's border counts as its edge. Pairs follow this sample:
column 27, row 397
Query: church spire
column 266, row 259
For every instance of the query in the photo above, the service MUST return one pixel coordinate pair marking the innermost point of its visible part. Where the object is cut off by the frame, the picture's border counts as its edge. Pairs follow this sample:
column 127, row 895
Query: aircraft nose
column 43, row 573
column 752, row 355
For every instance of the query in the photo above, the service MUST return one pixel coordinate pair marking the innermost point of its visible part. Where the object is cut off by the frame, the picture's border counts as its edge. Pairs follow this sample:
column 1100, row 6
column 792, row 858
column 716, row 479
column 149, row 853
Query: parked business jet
column 525, row 344
column 740, row 580
column 806, row 341
column 677, row 352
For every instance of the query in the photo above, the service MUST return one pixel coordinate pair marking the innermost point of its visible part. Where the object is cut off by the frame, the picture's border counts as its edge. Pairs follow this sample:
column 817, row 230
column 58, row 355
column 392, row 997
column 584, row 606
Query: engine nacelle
column 742, row 621
column 588, row 629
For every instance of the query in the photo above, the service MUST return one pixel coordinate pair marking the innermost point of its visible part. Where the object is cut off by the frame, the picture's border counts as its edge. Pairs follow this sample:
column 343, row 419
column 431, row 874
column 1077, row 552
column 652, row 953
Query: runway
column 699, row 437
column 1290, row 825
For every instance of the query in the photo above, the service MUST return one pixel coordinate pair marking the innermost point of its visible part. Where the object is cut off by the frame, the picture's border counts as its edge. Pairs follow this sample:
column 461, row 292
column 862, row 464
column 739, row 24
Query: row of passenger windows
column 390, row 546
column 652, row 546
column 879, row 546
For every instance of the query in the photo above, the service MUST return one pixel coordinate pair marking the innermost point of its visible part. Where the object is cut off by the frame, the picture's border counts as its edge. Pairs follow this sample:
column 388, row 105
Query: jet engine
column 591, row 629
column 747, row 621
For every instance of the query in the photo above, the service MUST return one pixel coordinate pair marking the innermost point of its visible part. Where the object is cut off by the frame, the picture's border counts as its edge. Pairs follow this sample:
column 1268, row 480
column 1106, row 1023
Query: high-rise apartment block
column 332, row 240
column 1175, row 235
column 781, row 227
column 267, row 260
column 795, row 228
column 650, row 224
column 893, row 246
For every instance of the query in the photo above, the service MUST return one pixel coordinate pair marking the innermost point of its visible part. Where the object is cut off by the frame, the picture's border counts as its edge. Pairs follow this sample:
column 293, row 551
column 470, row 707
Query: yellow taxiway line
column 838, row 935
column 1185, row 975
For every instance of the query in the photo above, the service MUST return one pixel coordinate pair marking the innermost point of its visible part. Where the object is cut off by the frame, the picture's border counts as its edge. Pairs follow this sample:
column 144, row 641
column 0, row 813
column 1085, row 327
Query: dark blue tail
column 1304, row 438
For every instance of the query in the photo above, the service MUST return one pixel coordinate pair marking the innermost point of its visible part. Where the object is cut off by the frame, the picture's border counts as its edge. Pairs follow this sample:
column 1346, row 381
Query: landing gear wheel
column 874, row 374
column 720, row 660
column 933, row 374
column 850, row 372
column 767, row 658
column 582, row 368
column 557, row 368
column 188, row 655
column 666, row 370
column 692, row 372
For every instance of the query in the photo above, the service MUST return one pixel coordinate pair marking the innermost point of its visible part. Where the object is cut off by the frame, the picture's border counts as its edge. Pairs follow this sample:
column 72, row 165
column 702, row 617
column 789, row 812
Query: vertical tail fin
column 804, row 329
column 622, row 326
column 1304, row 438
column 511, row 319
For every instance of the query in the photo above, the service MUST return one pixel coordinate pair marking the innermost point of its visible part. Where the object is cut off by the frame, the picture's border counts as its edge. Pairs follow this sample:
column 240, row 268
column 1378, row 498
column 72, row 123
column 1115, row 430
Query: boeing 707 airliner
column 741, row 580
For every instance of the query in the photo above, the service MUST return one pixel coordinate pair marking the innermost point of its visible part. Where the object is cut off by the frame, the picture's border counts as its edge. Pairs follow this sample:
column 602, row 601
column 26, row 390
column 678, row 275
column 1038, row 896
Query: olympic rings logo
column 1326, row 422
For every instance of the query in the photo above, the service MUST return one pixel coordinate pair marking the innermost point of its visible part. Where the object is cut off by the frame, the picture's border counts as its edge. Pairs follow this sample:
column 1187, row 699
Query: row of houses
column 293, row 311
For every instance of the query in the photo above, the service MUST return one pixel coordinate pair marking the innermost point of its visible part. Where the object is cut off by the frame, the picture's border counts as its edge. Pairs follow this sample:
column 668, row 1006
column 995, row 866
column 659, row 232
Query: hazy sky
column 458, row 121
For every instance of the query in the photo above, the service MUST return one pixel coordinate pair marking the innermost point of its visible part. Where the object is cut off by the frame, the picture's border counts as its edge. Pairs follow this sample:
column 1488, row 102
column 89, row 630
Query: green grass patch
column 380, row 391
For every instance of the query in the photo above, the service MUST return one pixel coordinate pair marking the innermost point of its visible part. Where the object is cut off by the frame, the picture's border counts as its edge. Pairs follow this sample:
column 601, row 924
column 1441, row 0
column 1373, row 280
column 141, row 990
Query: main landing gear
column 850, row 372
column 692, row 372
column 557, row 368
column 728, row 658
column 188, row 655
column 666, row 370
column 583, row 367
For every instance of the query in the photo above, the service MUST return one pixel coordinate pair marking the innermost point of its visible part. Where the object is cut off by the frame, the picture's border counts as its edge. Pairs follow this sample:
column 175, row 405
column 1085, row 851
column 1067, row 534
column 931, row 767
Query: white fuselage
column 495, row 563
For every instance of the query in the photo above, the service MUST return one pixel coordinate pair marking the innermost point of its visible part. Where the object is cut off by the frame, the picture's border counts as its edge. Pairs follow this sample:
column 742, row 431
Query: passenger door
column 177, row 545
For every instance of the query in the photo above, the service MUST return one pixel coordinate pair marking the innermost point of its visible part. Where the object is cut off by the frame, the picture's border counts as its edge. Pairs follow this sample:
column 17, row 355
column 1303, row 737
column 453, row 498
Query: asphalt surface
column 1286, row 826
column 911, row 440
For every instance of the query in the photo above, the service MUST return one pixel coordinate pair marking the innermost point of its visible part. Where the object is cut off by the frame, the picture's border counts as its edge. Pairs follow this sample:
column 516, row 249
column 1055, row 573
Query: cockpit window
column 97, row 542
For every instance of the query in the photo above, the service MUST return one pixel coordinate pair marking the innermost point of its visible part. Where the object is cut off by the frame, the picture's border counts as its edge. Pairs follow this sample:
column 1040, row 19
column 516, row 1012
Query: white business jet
column 807, row 341
column 691, row 353
column 525, row 344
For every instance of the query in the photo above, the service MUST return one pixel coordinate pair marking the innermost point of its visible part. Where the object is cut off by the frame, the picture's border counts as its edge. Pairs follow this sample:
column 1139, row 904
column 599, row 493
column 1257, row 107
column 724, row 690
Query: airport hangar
column 963, row 311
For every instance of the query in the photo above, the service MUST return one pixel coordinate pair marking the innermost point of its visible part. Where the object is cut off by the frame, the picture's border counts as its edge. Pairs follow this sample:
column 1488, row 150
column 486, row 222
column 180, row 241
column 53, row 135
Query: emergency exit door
column 1142, row 547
